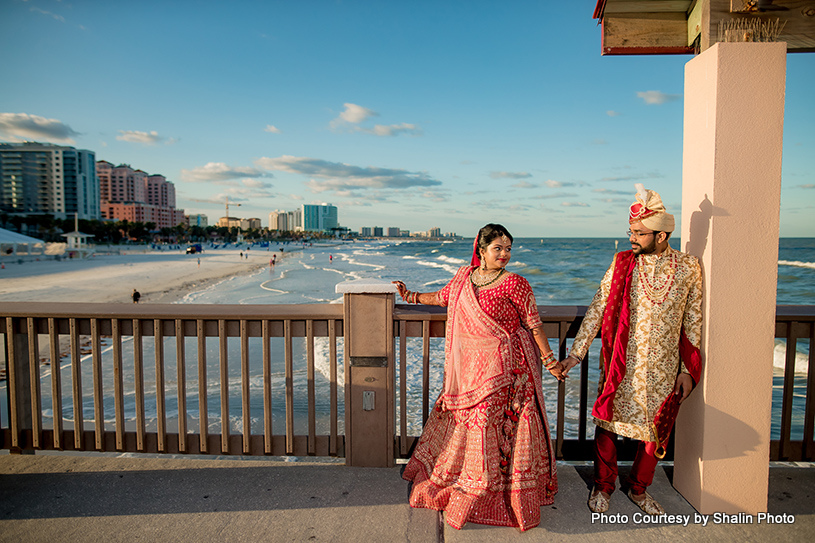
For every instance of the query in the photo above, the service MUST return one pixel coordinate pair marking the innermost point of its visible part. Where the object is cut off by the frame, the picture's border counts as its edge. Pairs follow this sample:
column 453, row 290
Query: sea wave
column 797, row 264
column 264, row 287
column 452, row 260
column 431, row 264
column 780, row 357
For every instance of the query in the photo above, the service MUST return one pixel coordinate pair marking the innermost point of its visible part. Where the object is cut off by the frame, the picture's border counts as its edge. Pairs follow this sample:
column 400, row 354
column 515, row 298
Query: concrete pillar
column 731, row 192
column 369, row 377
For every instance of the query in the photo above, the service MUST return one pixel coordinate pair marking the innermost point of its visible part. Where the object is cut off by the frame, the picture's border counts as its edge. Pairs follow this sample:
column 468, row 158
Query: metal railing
column 23, row 325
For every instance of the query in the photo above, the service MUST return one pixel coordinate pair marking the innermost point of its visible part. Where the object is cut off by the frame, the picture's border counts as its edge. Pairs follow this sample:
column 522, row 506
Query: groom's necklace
column 485, row 281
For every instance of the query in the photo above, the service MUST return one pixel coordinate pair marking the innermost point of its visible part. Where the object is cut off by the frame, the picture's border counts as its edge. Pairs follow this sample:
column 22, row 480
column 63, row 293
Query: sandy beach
column 160, row 276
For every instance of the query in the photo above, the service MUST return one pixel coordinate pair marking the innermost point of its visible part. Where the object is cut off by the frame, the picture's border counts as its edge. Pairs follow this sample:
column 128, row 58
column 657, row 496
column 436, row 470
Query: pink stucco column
column 731, row 192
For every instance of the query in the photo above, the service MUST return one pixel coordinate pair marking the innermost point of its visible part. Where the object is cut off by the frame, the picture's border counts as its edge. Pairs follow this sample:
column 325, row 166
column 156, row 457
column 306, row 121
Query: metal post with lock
column 369, row 377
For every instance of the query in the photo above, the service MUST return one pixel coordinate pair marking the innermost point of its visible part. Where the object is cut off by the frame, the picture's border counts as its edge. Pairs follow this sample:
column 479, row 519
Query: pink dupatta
column 477, row 349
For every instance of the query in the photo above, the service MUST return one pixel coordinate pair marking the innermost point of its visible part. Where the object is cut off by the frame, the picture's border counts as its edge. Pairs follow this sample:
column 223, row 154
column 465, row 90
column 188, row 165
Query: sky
column 420, row 114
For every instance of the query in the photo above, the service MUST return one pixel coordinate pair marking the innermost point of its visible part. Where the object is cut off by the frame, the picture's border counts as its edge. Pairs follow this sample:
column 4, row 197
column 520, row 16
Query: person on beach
column 485, row 455
column 136, row 296
column 649, row 307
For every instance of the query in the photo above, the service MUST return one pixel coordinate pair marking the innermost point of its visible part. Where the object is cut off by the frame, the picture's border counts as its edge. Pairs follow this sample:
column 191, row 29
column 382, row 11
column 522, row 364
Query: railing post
column 19, row 384
column 369, row 376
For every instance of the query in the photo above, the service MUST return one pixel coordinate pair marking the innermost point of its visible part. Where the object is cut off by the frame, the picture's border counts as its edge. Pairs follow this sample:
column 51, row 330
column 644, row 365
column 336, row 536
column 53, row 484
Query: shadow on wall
column 700, row 226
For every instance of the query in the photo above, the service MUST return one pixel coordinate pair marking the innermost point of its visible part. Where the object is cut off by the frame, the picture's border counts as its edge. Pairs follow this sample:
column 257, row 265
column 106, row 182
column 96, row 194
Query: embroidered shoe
column 598, row 503
column 647, row 504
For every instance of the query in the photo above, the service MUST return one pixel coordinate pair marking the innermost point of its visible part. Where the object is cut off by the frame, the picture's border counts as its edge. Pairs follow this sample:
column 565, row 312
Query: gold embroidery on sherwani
column 652, row 356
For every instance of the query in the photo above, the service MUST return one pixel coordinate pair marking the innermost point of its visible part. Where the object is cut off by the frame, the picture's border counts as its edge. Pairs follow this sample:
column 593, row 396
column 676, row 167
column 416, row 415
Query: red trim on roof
column 676, row 50
column 599, row 9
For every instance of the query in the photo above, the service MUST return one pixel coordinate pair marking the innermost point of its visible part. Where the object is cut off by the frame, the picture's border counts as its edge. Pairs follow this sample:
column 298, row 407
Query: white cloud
column 657, row 97
column 353, row 114
column 59, row 18
column 339, row 176
column 435, row 196
column 19, row 127
column 272, row 128
column 256, row 183
column 218, row 171
column 551, row 183
column 393, row 130
column 612, row 113
column 807, row 186
column 510, row 175
column 524, row 185
column 574, row 204
column 145, row 138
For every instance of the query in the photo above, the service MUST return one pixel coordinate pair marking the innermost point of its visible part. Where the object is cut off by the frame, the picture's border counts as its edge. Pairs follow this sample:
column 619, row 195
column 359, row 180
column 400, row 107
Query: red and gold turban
column 650, row 211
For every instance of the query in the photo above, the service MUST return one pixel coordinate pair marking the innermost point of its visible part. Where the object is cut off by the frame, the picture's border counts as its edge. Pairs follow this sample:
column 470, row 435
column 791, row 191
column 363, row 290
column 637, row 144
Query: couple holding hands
column 485, row 455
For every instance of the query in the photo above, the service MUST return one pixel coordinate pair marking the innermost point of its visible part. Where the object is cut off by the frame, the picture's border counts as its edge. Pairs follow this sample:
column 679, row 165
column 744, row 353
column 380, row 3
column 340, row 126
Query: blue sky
column 411, row 114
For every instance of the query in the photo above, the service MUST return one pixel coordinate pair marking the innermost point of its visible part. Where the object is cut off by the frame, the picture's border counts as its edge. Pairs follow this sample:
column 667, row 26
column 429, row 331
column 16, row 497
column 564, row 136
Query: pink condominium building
column 135, row 195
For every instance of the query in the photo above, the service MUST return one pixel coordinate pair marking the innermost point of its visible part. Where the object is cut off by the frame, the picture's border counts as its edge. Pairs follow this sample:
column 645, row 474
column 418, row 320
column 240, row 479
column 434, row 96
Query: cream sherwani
column 666, row 294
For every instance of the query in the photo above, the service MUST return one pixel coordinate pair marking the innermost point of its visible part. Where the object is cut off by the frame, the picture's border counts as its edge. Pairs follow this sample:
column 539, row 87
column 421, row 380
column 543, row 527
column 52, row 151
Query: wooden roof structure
column 660, row 27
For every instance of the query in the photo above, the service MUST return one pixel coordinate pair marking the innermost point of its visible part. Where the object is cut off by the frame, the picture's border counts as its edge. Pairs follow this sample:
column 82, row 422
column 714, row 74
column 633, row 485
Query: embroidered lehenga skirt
column 488, row 464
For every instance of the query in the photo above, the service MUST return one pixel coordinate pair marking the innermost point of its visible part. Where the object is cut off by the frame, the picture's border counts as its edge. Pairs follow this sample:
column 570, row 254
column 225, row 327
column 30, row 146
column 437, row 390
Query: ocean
column 561, row 272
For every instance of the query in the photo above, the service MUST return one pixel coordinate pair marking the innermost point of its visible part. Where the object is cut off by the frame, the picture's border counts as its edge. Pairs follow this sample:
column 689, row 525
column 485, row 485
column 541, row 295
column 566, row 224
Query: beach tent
column 12, row 243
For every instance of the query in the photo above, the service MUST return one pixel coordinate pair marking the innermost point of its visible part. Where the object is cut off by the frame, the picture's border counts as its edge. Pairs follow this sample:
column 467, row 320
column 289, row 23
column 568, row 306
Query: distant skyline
column 421, row 114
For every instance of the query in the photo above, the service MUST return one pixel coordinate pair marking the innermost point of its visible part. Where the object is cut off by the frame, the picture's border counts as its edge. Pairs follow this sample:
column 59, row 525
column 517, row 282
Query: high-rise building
column 319, row 217
column 46, row 178
column 160, row 192
column 295, row 220
column 121, row 183
column 378, row 233
column 393, row 232
column 135, row 195
column 279, row 220
column 366, row 231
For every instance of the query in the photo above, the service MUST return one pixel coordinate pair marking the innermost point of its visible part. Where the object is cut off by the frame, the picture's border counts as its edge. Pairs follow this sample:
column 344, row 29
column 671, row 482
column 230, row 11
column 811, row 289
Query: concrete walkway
column 78, row 498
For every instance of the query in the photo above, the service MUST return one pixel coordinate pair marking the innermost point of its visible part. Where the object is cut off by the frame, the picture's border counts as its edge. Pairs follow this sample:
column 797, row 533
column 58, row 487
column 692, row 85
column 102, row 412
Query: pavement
column 102, row 497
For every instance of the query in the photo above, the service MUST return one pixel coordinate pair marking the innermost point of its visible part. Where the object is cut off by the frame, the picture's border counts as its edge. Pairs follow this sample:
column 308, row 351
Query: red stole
column 615, row 333
column 477, row 349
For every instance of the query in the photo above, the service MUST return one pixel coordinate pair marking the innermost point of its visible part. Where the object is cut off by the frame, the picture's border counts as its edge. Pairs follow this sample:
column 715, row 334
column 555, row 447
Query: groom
column 649, row 307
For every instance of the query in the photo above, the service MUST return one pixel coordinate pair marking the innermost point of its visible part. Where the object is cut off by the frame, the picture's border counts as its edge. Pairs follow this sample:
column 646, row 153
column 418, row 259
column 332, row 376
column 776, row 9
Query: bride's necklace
column 655, row 291
column 485, row 281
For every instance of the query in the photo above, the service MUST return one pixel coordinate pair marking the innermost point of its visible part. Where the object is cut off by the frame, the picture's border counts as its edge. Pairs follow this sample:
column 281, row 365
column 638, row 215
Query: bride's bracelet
column 549, row 360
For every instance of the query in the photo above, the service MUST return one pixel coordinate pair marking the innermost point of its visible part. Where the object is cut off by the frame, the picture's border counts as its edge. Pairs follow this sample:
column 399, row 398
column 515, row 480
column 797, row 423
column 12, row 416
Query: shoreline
column 159, row 276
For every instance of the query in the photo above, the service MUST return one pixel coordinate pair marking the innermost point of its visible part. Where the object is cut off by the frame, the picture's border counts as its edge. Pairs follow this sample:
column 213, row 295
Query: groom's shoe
column 647, row 503
column 598, row 501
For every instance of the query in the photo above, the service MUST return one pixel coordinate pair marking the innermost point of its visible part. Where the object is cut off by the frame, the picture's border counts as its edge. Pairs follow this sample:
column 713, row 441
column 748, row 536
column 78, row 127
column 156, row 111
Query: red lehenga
column 485, row 454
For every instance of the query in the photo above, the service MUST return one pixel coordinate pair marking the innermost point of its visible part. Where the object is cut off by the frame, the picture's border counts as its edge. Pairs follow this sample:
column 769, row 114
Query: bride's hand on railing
column 403, row 291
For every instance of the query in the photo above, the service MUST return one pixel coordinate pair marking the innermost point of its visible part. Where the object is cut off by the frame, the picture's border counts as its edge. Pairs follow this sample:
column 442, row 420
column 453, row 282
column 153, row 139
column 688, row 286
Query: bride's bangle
column 549, row 360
